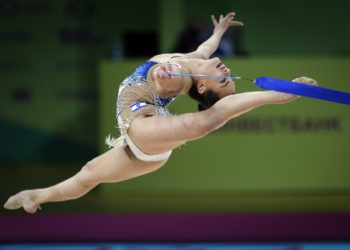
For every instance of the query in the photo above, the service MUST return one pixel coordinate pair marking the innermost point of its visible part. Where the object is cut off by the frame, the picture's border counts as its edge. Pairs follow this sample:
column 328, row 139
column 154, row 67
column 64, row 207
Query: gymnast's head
column 208, row 91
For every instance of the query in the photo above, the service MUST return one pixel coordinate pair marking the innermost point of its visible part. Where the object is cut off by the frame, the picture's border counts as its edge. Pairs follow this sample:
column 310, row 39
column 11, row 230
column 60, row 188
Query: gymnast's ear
column 201, row 87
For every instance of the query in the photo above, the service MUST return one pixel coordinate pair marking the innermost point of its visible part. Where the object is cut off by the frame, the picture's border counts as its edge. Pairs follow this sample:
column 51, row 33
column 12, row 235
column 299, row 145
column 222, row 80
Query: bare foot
column 23, row 199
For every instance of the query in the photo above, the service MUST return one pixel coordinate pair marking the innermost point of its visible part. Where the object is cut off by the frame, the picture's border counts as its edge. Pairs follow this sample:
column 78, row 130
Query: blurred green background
column 60, row 65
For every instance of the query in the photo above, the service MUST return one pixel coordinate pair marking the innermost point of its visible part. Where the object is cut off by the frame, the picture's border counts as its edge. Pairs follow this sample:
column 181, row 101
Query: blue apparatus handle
column 303, row 90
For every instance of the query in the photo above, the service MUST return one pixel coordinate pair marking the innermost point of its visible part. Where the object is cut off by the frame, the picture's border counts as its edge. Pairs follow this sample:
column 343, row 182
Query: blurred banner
column 47, row 68
column 49, row 54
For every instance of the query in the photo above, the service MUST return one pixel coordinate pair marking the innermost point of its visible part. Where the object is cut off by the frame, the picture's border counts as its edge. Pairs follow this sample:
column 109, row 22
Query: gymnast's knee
column 205, row 124
column 87, row 176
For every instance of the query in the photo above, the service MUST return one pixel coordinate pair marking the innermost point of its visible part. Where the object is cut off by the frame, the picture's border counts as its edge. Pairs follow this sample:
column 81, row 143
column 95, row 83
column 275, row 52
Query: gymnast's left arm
column 234, row 105
column 207, row 48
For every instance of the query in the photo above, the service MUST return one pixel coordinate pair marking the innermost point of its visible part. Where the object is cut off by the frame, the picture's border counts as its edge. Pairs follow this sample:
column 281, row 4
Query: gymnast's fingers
column 170, row 69
column 306, row 80
column 213, row 19
column 230, row 15
column 236, row 23
column 160, row 72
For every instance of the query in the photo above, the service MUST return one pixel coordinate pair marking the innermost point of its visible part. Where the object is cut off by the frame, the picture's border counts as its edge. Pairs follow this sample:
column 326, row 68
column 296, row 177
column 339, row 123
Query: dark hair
column 206, row 100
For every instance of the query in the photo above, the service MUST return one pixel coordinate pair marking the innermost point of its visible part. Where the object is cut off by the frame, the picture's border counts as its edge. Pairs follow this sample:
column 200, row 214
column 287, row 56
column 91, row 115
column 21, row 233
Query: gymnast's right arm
column 207, row 48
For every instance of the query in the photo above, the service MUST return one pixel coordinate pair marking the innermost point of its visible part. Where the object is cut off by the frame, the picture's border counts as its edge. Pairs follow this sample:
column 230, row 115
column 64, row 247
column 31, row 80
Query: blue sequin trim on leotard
column 139, row 75
column 164, row 101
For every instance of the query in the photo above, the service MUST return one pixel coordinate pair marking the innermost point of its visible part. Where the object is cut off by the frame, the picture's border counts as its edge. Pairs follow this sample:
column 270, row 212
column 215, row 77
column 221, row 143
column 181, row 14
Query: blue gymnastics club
column 300, row 89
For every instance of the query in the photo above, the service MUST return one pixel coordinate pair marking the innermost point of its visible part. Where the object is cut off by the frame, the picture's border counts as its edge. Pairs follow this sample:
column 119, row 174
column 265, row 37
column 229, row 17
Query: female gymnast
column 149, row 132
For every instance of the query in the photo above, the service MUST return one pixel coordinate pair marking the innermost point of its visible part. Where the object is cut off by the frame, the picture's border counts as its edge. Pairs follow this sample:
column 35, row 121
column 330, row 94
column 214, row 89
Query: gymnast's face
column 222, row 87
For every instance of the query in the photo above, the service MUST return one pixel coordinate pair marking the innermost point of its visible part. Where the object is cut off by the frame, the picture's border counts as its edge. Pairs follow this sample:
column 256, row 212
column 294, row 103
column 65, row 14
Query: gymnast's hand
column 164, row 81
column 163, row 70
column 305, row 80
column 225, row 22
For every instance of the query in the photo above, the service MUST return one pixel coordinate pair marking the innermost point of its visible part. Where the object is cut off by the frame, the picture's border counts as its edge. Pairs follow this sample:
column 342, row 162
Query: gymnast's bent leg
column 115, row 165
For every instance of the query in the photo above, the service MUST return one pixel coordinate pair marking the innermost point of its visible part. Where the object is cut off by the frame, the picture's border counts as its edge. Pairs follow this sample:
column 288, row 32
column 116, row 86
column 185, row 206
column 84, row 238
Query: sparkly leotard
column 138, row 97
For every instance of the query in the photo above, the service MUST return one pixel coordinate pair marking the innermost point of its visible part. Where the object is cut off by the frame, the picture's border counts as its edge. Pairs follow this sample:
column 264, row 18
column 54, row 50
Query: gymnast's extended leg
column 115, row 165
column 167, row 133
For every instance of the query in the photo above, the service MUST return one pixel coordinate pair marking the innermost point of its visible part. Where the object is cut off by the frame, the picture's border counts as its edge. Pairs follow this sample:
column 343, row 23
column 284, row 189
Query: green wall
column 272, row 27
column 50, row 51
column 48, row 74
